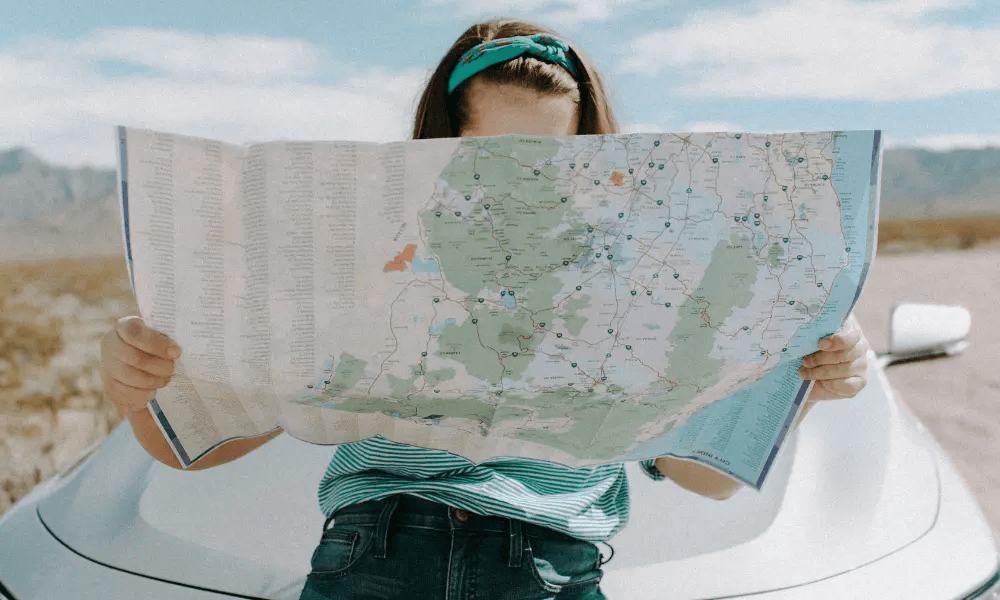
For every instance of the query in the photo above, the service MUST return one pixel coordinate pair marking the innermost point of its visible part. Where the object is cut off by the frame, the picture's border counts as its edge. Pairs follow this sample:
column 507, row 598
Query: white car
column 862, row 503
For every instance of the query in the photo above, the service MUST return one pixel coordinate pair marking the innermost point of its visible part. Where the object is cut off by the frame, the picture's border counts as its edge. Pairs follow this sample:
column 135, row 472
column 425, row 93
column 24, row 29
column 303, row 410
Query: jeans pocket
column 563, row 564
column 338, row 549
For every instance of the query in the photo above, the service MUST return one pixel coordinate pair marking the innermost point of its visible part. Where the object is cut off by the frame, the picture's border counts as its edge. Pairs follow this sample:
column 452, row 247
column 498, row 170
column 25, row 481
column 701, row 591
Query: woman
column 408, row 522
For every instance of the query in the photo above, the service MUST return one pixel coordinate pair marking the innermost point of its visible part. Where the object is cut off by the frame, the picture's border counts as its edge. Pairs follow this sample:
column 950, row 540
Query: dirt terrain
column 53, row 312
column 52, row 316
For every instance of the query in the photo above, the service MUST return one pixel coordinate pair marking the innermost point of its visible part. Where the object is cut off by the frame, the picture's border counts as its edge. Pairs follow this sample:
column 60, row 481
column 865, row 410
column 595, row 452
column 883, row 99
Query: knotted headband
column 540, row 46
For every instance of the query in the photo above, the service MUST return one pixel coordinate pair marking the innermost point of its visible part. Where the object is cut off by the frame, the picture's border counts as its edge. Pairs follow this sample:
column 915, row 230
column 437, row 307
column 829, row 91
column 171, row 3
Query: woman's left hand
column 840, row 368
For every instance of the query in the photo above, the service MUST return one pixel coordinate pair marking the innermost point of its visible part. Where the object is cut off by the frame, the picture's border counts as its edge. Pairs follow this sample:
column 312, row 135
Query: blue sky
column 924, row 71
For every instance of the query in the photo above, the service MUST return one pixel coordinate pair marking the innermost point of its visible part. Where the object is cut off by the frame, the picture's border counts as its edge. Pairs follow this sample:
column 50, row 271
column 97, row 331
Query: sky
column 926, row 72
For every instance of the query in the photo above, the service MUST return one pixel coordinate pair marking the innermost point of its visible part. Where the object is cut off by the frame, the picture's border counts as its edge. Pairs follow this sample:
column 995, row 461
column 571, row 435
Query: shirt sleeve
column 649, row 468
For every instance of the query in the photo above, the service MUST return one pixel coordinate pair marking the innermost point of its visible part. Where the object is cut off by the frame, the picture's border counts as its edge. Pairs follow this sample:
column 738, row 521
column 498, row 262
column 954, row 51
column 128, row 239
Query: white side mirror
column 926, row 329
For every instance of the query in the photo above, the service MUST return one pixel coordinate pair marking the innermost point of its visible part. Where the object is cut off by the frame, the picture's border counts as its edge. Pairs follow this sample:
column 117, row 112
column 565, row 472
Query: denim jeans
column 406, row 547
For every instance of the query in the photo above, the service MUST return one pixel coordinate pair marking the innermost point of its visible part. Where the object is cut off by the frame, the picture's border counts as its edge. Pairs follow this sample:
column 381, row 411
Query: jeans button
column 462, row 515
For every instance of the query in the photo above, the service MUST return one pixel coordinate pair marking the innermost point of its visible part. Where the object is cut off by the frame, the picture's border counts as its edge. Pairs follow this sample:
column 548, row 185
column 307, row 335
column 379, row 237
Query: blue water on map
column 424, row 266
column 759, row 239
column 437, row 329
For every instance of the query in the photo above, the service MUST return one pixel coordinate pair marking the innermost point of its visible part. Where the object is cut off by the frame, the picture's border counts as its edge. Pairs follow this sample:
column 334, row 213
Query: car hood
column 857, row 482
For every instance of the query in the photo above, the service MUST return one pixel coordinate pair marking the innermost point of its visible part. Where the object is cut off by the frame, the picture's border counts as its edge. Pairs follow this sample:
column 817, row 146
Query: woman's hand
column 135, row 362
column 840, row 368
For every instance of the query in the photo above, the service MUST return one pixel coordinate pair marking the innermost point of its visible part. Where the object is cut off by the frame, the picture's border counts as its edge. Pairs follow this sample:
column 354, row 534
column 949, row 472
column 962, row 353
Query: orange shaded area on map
column 402, row 259
column 617, row 178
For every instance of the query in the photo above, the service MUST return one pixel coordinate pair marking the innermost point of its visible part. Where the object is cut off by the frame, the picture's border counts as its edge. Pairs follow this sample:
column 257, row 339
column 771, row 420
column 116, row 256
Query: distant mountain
column 31, row 188
column 48, row 211
column 51, row 210
column 923, row 184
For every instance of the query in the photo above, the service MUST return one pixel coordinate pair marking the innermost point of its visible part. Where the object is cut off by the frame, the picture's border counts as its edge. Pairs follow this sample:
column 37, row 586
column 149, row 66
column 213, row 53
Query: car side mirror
column 921, row 331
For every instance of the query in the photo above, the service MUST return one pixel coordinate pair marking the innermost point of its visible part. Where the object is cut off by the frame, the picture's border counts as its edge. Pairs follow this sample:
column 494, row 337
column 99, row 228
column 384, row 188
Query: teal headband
column 540, row 46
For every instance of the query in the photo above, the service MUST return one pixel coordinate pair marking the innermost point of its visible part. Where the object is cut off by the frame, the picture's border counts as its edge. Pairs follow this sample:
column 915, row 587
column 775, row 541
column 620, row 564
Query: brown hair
column 440, row 114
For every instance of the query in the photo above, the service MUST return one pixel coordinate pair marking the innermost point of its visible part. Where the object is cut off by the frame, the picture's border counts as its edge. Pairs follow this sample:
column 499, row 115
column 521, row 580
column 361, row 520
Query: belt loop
column 382, row 529
column 516, row 544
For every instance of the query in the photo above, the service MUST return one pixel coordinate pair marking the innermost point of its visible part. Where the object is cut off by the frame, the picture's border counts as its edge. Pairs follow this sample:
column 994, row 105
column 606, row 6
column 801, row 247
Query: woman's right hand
column 135, row 362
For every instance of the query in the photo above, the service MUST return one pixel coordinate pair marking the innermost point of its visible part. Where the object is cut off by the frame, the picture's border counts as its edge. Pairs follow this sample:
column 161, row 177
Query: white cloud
column 185, row 55
column 560, row 12
column 62, row 98
column 831, row 49
column 954, row 141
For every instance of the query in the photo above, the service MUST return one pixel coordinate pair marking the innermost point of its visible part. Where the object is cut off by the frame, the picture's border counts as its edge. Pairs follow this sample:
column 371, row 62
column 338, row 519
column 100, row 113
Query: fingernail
column 826, row 344
column 173, row 351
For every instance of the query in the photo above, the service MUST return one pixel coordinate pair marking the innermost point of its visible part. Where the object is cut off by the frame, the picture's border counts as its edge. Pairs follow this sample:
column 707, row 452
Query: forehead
column 500, row 109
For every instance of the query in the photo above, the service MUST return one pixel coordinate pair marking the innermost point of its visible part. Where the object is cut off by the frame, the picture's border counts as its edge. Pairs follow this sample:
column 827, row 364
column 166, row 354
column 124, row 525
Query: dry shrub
column 28, row 337
column 52, row 314
column 91, row 279
column 915, row 235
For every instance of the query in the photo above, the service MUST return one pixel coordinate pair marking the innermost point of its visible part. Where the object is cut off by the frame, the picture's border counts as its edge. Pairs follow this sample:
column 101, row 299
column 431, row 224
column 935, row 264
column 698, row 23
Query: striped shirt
column 590, row 503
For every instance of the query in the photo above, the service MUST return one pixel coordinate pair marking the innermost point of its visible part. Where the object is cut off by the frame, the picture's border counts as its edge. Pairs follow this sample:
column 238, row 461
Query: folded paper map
column 580, row 299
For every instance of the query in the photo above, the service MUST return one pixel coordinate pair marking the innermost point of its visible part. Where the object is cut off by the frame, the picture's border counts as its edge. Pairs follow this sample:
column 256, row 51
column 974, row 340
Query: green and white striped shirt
column 589, row 503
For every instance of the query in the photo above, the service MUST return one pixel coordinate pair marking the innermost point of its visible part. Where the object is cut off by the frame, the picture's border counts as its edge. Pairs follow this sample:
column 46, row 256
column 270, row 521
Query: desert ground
column 53, row 312
column 52, row 316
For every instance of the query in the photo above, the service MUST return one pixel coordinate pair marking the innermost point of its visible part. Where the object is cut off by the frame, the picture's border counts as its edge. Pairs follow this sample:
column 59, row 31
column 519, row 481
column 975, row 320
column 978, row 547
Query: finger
column 818, row 393
column 847, row 337
column 832, row 357
column 126, row 397
column 853, row 368
column 144, row 361
column 115, row 350
column 135, row 378
column 840, row 388
column 133, row 330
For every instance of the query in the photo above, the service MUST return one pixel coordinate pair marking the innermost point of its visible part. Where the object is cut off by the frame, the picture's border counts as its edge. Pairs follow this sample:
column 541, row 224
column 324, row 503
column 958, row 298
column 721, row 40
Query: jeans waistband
column 411, row 511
